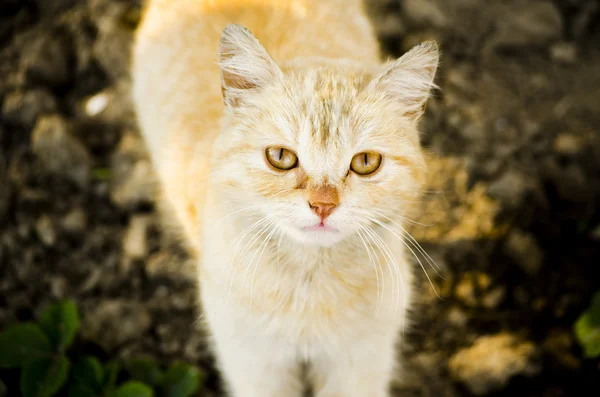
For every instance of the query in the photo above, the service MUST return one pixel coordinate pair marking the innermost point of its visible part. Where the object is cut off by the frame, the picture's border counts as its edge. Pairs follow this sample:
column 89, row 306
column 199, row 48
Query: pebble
column 470, row 284
column 559, row 343
column 135, row 188
column 47, row 60
column 510, row 188
column 59, row 151
column 564, row 52
column 568, row 144
column 492, row 361
column 194, row 348
column 58, row 287
column 22, row 108
column 133, row 182
column 75, row 221
column 112, row 105
column 111, row 48
column 522, row 248
column 457, row 317
column 493, row 298
column 96, row 104
column 135, row 245
column 115, row 322
column 46, row 230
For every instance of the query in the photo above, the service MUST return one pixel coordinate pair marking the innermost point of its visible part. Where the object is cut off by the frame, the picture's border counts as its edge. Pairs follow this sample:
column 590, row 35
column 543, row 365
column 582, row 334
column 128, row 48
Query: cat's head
column 319, row 150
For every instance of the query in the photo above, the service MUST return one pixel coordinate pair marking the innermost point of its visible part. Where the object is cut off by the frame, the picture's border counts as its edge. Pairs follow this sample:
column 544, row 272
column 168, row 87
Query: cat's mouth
column 320, row 227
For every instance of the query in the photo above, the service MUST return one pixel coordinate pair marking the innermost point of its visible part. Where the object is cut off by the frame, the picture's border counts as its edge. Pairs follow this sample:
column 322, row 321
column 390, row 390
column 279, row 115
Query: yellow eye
column 281, row 158
column 365, row 163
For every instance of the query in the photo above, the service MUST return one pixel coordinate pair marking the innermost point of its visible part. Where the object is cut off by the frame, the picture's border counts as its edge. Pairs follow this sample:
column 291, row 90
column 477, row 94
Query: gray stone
column 58, row 287
column 112, row 105
column 510, row 188
column 494, row 297
column 524, row 250
column 46, row 230
column 22, row 108
column 75, row 221
column 59, row 151
column 133, row 176
column 47, row 60
column 115, row 322
column 115, row 34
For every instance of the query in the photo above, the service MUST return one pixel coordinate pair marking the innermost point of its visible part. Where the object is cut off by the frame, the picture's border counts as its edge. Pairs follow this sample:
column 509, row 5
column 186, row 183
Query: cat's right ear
column 246, row 66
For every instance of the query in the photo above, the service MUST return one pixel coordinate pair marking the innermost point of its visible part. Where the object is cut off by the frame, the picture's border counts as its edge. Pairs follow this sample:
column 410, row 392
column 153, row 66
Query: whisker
column 245, row 249
column 418, row 246
column 380, row 282
column 411, row 221
column 266, row 241
column 411, row 250
column 238, row 211
column 390, row 257
column 249, row 265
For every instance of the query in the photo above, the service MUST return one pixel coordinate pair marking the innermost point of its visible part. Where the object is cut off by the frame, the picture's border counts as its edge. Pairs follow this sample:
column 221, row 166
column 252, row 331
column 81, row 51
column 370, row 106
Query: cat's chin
column 315, row 235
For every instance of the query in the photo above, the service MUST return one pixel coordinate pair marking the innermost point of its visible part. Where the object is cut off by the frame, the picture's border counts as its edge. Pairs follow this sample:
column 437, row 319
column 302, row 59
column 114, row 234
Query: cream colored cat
column 290, row 167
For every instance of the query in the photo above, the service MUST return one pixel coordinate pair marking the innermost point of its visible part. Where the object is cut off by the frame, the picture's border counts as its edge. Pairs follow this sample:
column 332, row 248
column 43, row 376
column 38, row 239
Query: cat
column 289, row 157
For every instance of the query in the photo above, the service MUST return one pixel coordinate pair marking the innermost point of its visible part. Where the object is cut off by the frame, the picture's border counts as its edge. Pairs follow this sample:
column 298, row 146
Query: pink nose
column 322, row 209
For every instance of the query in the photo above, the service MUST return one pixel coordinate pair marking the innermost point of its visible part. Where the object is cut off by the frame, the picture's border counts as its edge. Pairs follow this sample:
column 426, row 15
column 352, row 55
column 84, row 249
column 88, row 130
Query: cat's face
column 319, row 152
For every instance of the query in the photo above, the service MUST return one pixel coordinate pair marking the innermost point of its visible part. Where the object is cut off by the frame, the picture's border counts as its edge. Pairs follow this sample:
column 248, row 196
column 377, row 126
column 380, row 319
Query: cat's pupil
column 280, row 154
column 366, row 159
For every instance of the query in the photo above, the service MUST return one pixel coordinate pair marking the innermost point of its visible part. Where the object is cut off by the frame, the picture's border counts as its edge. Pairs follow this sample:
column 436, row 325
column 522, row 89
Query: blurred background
column 511, row 214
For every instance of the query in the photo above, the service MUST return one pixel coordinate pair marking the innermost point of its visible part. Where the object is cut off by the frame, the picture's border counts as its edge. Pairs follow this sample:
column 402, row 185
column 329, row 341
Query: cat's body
column 278, row 287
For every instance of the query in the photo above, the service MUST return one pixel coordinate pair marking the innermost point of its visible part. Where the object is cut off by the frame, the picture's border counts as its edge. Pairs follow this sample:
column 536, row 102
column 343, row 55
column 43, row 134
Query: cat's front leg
column 363, row 369
column 257, row 369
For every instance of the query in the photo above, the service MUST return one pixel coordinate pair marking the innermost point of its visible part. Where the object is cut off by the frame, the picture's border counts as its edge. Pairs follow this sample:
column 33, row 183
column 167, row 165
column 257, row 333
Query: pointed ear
column 409, row 79
column 245, row 64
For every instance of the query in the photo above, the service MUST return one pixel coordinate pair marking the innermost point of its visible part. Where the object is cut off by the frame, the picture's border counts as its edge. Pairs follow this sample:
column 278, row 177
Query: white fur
column 274, row 294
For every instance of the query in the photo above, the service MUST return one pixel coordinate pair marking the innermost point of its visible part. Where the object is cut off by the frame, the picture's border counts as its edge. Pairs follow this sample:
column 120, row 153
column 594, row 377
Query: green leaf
column 61, row 322
column 587, row 329
column 145, row 371
column 21, row 343
column 44, row 377
column 82, row 390
column 87, row 378
column 180, row 380
column 111, row 370
column 133, row 389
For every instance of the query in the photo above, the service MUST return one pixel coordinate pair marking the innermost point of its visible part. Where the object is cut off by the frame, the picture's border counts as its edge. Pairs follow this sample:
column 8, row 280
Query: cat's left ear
column 410, row 79
column 246, row 66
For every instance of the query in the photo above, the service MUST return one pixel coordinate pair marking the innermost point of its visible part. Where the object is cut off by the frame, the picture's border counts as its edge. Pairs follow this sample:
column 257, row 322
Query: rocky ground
column 512, row 206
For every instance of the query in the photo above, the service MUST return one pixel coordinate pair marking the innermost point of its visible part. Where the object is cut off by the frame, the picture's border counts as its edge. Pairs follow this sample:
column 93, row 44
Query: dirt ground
column 510, row 216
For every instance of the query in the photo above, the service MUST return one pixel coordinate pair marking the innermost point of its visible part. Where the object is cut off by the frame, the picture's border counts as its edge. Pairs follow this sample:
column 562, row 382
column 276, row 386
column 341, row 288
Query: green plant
column 587, row 329
column 40, row 351
column 178, row 380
